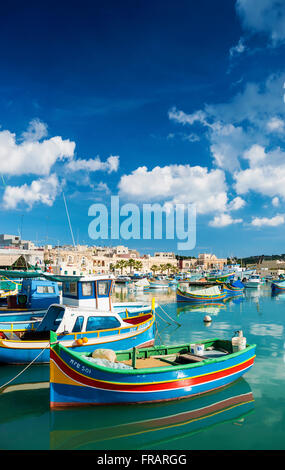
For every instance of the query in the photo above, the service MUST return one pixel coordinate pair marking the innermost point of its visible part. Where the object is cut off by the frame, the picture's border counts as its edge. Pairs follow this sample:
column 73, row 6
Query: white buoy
column 207, row 319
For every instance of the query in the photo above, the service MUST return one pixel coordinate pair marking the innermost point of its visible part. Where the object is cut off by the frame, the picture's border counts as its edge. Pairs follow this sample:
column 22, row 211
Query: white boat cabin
column 61, row 318
column 88, row 291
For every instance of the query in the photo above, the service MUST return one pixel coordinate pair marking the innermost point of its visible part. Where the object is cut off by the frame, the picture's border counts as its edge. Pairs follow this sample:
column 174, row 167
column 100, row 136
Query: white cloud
column 43, row 190
column 177, row 184
column 263, row 16
column 255, row 154
column 236, row 204
column 248, row 119
column 184, row 118
column 265, row 175
column 240, row 136
column 96, row 164
column 276, row 124
column 223, row 220
column 265, row 221
column 275, row 201
column 36, row 130
column 31, row 156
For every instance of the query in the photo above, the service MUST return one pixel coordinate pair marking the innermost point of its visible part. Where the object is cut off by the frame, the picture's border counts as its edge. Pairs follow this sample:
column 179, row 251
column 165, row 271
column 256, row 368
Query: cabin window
column 103, row 288
column 102, row 323
column 78, row 325
column 45, row 289
column 70, row 288
column 73, row 288
column 87, row 289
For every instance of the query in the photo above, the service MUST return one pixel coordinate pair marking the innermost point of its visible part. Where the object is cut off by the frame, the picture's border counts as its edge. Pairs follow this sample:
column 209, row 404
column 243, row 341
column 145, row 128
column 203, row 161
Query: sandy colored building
column 204, row 262
column 89, row 260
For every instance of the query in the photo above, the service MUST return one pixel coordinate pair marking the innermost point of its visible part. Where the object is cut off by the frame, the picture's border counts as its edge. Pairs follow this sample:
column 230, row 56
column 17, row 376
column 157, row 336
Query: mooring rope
column 174, row 321
column 22, row 371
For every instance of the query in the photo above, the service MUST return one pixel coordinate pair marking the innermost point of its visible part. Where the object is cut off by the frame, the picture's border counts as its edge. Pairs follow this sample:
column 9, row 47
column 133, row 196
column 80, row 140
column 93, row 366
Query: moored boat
column 232, row 288
column 33, row 299
column 222, row 276
column 157, row 283
column 278, row 286
column 81, row 330
column 253, row 281
column 153, row 374
column 211, row 294
column 140, row 285
column 92, row 292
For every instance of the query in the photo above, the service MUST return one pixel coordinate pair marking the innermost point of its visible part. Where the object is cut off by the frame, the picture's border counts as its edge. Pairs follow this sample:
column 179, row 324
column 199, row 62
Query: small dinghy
column 211, row 294
column 147, row 375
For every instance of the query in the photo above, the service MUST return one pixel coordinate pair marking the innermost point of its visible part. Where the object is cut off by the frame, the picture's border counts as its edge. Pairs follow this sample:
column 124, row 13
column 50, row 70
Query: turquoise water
column 249, row 414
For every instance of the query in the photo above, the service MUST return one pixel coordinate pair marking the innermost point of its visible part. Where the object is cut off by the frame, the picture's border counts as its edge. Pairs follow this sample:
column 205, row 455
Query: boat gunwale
column 149, row 370
column 137, row 330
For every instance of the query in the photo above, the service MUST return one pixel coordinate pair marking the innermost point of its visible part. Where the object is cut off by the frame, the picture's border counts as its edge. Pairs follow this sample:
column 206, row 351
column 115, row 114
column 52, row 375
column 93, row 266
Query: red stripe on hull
column 95, row 383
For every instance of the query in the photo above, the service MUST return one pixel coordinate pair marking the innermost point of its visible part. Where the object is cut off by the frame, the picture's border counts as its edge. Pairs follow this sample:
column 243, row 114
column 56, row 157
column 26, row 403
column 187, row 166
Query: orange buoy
column 85, row 340
column 79, row 342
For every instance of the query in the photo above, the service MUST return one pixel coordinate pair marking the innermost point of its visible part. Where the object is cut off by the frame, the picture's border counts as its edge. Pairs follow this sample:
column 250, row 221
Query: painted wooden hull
column 223, row 278
column 75, row 381
column 276, row 287
column 157, row 285
column 16, row 351
column 231, row 291
column 187, row 297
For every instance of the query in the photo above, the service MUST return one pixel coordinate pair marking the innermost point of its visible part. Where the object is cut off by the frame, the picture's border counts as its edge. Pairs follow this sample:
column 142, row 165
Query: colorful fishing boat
column 36, row 295
column 33, row 299
column 278, row 286
column 153, row 374
column 158, row 283
column 233, row 288
column 78, row 329
column 211, row 294
column 148, row 426
column 140, row 285
column 223, row 277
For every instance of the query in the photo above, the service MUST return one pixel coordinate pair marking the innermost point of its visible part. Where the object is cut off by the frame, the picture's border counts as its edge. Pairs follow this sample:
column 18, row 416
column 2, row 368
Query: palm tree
column 131, row 263
column 154, row 268
column 112, row 267
column 138, row 265
column 174, row 269
column 121, row 265
column 168, row 266
column 162, row 268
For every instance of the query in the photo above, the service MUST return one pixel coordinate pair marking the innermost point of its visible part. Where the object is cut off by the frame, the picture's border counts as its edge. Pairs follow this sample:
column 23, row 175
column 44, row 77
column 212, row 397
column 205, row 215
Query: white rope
column 174, row 321
column 20, row 373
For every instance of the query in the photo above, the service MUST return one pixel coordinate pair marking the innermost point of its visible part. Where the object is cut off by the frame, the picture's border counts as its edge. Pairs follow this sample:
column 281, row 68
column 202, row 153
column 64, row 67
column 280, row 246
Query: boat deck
column 173, row 359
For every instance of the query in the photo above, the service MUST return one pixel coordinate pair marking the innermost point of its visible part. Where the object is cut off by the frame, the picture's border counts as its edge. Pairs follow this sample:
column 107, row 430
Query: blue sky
column 166, row 102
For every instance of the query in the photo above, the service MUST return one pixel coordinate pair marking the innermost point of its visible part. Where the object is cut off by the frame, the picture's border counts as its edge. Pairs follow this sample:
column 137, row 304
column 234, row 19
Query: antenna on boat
column 68, row 219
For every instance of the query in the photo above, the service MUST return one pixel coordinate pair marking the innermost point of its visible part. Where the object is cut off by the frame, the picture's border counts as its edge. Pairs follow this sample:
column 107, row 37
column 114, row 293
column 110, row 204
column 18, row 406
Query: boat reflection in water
column 208, row 308
column 146, row 426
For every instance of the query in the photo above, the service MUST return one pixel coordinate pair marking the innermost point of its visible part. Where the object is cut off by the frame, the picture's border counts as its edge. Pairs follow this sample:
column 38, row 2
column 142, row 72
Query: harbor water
column 247, row 415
